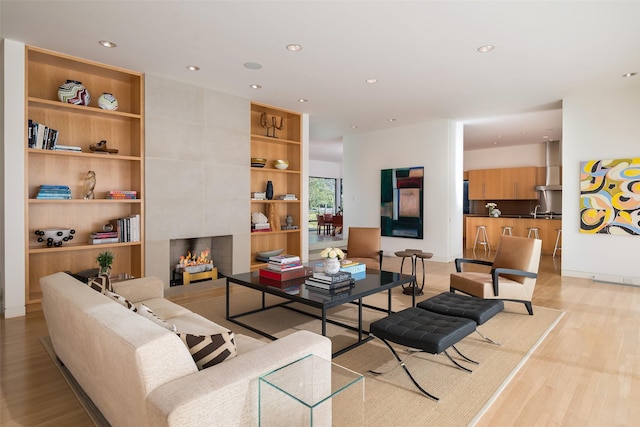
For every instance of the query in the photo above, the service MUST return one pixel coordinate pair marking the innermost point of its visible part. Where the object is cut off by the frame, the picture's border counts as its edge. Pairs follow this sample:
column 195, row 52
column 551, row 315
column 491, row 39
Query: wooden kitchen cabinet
column 503, row 184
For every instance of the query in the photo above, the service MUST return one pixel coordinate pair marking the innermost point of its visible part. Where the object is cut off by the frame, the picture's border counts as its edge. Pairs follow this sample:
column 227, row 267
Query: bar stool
column 533, row 231
column 557, row 247
column 481, row 233
column 507, row 230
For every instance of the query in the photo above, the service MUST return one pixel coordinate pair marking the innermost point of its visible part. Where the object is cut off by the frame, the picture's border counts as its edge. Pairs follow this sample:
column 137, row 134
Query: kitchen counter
column 547, row 229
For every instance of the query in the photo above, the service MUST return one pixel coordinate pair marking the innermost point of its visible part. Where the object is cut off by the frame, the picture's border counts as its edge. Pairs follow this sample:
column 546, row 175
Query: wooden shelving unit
column 82, row 126
column 287, row 145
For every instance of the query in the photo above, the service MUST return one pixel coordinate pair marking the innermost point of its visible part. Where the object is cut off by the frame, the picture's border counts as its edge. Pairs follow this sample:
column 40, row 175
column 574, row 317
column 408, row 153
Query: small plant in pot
column 105, row 259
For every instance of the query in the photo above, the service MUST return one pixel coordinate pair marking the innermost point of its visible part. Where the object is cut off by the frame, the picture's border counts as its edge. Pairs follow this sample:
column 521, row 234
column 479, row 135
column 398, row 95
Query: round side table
column 414, row 255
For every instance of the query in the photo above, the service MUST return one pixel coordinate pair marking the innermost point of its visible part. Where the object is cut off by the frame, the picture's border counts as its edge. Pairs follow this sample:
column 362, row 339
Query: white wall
column 505, row 157
column 598, row 124
column 13, row 241
column 325, row 169
column 433, row 145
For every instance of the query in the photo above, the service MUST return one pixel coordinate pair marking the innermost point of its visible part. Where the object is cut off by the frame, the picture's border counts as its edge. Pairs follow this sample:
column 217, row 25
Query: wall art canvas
column 401, row 202
column 610, row 196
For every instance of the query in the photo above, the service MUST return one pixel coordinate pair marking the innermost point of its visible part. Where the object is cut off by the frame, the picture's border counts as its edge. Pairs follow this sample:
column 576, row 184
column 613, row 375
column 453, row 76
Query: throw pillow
column 146, row 312
column 209, row 350
column 102, row 283
column 122, row 300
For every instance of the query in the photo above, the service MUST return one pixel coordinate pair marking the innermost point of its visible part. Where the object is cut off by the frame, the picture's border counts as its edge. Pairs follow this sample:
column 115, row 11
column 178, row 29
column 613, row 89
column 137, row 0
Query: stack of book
column 102, row 237
column 122, row 194
column 287, row 196
column 261, row 227
column 41, row 136
column 285, row 262
column 54, row 192
column 340, row 281
column 258, row 195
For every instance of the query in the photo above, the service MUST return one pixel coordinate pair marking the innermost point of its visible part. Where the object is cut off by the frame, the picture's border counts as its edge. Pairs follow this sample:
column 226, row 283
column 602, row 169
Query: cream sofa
column 141, row 374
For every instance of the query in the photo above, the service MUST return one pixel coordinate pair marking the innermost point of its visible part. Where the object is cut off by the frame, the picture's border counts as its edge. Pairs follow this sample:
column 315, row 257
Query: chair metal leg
column 487, row 338
column 456, row 363
column 426, row 393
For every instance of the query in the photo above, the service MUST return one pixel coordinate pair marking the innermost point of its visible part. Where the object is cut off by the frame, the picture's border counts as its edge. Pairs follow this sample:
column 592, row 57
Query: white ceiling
column 423, row 53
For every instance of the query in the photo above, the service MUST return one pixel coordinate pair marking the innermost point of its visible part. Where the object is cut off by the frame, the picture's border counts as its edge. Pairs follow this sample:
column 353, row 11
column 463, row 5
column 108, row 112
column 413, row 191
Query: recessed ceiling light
column 354, row 126
column 495, row 142
column 107, row 43
column 303, row 100
column 294, row 47
column 255, row 86
column 486, row 48
column 629, row 74
column 252, row 65
column 193, row 67
column 392, row 119
column 545, row 137
column 371, row 81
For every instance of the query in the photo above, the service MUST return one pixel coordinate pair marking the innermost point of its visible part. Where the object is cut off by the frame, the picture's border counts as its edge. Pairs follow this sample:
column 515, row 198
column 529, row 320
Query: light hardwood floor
column 585, row 373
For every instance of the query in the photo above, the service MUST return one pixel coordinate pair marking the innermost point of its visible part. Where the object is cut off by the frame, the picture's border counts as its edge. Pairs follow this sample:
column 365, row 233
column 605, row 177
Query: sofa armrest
column 227, row 393
column 136, row 290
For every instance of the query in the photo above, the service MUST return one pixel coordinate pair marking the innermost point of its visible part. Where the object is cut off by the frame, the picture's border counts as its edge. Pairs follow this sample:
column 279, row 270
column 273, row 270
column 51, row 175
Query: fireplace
column 220, row 251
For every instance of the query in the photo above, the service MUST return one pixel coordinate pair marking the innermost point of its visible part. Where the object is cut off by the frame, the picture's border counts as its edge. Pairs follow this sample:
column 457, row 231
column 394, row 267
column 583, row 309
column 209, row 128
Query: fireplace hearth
column 199, row 258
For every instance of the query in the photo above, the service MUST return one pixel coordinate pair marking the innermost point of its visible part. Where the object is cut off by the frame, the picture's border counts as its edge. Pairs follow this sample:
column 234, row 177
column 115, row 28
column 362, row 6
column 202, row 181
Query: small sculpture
column 101, row 147
column 89, row 185
column 264, row 122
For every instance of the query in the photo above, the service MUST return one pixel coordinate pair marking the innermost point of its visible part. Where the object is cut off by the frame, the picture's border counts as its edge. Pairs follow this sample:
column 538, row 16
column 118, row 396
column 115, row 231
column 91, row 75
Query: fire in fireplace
column 194, row 263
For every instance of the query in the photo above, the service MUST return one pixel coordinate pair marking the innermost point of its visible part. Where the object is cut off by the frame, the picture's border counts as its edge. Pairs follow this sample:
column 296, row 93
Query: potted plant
column 105, row 259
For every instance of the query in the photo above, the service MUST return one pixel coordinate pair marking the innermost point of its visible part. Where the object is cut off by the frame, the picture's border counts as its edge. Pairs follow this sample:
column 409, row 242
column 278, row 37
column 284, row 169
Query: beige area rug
column 391, row 399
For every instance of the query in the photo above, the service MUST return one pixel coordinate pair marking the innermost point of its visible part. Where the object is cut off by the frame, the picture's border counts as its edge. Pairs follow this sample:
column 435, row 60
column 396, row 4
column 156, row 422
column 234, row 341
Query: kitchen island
column 547, row 229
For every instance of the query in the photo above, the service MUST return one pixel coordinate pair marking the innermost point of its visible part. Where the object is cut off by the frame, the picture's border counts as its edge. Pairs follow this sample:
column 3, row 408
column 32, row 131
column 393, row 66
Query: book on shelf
column 54, row 192
column 283, row 276
column 258, row 195
column 101, row 241
column 40, row 136
column 122, row 194
column 103, row 234
column 262, row 226
column 287, row 197
column 314, row 283
column 284, row 258
column 340, row 276
column 128, row 228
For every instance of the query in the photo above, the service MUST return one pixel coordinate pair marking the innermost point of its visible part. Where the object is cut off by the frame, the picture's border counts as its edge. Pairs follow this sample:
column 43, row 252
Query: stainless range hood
column 550, row 194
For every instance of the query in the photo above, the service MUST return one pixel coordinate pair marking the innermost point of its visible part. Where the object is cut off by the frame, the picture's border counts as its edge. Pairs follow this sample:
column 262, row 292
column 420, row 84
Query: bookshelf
column 82, row 126
column 287, row 145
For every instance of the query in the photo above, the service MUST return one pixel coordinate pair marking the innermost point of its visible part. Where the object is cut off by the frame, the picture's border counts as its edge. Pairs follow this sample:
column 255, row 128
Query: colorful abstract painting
column 401, row 198
column 610, row 196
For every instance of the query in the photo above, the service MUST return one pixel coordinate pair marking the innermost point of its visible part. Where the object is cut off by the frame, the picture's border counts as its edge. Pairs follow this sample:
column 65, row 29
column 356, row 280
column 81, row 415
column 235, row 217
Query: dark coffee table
column 296, row 291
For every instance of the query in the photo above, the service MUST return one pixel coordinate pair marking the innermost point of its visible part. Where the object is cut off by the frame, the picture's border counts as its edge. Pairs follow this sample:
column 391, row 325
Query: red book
column 285, row 275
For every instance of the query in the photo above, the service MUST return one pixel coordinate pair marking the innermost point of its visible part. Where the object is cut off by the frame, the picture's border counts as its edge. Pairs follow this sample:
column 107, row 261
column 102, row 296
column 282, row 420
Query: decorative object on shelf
column 89, row 185
column 331, row 260
column 258, row 162
column 281, row 164
column 269, row 190
column 107, row 228
column 288, row 220
column 493, row 209
column 267, row 254
column 104, row 260
column 55, row 236
column 101, row 147
column 72, row 92
column 273, row 124
column 108, row 102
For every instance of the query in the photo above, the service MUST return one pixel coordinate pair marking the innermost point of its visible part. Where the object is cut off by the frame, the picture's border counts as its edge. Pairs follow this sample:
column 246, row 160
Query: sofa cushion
column 102, row 283
column 146, row 312
column 209, row 350
column 122, row 300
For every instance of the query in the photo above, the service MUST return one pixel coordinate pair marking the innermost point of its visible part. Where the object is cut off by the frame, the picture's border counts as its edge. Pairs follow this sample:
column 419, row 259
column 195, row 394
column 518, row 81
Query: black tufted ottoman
column 423, row 330
column 477, row 309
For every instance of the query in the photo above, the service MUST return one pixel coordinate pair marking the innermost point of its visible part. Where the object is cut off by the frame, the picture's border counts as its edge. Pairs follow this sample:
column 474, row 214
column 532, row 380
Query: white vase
column 331, row 265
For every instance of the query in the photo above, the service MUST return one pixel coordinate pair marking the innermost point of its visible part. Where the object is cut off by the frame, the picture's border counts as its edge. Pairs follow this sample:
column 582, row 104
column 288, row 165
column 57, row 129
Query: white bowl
column 55, row 236
column 280, row 164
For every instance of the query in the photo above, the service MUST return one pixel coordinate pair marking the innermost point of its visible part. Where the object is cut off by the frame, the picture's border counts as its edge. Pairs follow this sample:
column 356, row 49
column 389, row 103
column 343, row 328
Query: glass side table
column 311, row 391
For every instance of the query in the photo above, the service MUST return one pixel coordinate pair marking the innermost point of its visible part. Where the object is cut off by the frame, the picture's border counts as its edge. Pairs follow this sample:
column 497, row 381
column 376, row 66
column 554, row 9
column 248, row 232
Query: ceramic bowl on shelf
column 258, row 162
column 55, row 236
column 267, row 254
column 280, row 164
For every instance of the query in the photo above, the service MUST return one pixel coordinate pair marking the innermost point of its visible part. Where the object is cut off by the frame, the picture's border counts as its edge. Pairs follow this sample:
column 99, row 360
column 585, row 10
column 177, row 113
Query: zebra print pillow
column 122, row 300
column 102, row 284
column 146, row 312
column 209, row 350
